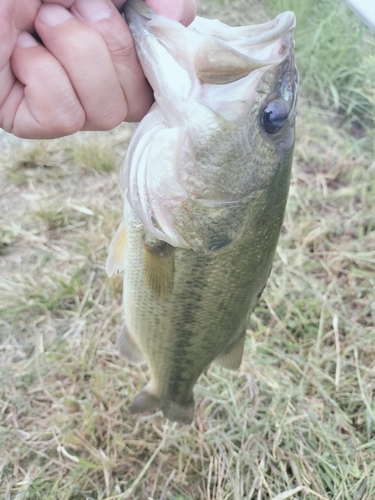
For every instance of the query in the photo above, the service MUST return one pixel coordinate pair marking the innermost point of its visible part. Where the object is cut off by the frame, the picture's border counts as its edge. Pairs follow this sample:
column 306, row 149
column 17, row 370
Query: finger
column 68, row 3
column 42, row 104
column 103, row 16
column 84, row 55
column 7, row 41
column 24, row 13
column 119, row 4
column 182, row 11
column 64, row 3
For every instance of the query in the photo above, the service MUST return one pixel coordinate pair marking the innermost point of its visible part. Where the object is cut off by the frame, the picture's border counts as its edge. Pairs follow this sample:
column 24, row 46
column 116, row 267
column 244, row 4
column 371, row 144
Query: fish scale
column 206, row 181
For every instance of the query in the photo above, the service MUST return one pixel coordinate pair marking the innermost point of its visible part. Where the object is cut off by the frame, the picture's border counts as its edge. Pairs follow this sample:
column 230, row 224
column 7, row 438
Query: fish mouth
column 221, row 53
column 270, row 31
column 259, row 33
column 217, row 54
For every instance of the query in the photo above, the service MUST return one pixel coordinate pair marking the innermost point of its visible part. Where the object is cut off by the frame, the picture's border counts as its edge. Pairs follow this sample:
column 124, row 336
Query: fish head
column 223, row 122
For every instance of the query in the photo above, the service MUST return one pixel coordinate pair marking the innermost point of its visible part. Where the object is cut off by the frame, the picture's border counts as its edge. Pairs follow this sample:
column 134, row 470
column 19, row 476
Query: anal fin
column 232, row 360
column 128, row 347
column 116, row 252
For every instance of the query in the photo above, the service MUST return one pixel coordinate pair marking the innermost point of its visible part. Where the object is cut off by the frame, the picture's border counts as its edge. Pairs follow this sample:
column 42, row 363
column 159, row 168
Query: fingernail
column 52, row 15
column 93, row 10
column 25, row 40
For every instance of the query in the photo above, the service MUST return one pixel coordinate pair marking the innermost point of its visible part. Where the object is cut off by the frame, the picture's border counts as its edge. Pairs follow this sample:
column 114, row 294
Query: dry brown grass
column 297, row 421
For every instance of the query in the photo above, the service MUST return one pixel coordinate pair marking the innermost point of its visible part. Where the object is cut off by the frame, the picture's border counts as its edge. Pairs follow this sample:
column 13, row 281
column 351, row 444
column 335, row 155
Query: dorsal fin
column 116, row 252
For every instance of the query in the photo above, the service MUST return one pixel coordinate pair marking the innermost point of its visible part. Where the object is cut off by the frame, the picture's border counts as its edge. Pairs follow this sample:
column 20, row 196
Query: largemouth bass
column 206, row 180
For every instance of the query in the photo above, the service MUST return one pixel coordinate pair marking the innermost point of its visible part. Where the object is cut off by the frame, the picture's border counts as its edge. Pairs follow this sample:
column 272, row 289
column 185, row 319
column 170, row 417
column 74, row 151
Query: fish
column 206, row 179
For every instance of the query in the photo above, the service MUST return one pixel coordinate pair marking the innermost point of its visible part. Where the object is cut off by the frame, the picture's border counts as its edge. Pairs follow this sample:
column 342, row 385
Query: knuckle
column 113, row 118
column 63, row 103
column 121, row 47
column 71, row 121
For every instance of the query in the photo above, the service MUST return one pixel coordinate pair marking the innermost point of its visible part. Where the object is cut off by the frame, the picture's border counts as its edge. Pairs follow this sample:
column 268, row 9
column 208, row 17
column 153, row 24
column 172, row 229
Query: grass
column 335, row 55
column 296, row 422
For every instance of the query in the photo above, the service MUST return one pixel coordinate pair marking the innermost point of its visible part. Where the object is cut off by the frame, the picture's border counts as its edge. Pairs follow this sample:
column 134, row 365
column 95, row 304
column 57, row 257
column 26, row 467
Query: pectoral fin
column 233, row 358
column 159, row 267
column 116, row 252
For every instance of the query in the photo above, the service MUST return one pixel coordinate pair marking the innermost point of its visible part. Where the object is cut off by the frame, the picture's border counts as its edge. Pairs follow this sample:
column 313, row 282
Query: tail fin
column 179, row 413
column 146, row 400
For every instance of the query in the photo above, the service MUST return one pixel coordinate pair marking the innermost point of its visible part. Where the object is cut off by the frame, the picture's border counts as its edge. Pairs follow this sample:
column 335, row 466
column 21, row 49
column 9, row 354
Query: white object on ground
column 365, row 10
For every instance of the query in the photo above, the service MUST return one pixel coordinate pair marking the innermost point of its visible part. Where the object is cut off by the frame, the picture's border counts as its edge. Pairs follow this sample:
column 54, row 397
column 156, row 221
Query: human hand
column 85, row 74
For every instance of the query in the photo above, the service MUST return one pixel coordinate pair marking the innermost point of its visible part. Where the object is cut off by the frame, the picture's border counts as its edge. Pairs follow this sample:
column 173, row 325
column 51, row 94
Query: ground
column 298, row 419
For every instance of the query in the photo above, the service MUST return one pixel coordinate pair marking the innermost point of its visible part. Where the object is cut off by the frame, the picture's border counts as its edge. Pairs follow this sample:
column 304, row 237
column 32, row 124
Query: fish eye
column 275, row 116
